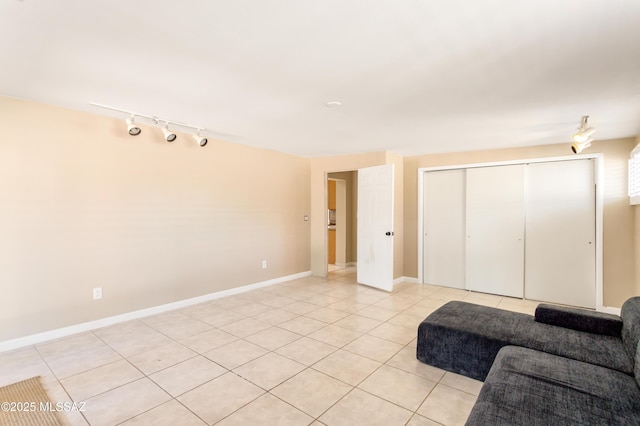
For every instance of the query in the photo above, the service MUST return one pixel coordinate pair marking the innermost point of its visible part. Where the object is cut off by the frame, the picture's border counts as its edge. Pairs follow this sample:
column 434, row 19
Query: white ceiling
column 414, row 76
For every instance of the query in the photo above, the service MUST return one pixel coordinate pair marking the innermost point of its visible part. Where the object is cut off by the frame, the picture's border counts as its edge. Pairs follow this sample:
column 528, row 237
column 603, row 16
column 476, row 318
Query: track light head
column 584, row 131
column 168, row 134
column 200, row 140
column 578, row 147
column 583, row 135
column 582, row 138
column 132, row 128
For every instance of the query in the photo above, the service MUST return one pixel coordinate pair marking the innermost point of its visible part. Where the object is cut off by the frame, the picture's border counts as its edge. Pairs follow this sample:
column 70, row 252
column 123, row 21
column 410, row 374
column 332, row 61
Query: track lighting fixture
column 200, row 140
column 132, row 128
column 168, row 134
column 582, row 138
column 578, row 147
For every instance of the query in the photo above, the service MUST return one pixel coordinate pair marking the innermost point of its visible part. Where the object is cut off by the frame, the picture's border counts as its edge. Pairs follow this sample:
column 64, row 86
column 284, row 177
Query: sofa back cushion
column 630, row 315
column 579, row 319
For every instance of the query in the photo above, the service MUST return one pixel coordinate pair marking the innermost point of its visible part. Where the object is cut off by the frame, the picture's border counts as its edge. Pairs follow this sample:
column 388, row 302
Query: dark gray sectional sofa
column 563, row 366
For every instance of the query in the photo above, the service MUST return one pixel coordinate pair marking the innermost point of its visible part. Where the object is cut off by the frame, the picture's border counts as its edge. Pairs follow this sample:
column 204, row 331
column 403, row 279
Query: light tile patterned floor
column 311, row 351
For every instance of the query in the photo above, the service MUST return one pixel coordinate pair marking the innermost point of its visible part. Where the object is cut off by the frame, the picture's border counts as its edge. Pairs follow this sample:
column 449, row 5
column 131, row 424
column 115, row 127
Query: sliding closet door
column 444, row 236
column 495, row 230
column 560, row 249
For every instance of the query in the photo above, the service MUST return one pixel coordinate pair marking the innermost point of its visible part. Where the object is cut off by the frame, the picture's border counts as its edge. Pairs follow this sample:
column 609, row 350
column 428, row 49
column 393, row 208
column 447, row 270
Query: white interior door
column 444, row 228
column 375, row 227
column 495, row 230
column 560, row 248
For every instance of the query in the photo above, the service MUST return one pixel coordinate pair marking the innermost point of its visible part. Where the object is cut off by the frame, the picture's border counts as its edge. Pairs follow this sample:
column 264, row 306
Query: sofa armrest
column 579, row 319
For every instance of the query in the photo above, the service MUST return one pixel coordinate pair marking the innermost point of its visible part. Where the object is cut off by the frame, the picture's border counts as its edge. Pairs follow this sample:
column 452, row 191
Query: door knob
column 389, row 233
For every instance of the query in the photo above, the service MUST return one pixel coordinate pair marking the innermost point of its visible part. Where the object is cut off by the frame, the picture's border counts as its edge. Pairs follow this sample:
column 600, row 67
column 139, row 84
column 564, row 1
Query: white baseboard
column 33, row 339
column 608, row 310
column 411, row 280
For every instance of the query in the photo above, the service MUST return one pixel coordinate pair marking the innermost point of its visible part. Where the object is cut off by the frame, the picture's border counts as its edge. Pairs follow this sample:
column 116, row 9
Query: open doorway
column 342, row 196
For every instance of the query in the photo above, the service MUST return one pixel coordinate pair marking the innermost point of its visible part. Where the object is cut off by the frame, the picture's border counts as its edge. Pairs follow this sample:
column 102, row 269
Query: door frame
column 341, row 199
column 599, row 182
column 325, row 215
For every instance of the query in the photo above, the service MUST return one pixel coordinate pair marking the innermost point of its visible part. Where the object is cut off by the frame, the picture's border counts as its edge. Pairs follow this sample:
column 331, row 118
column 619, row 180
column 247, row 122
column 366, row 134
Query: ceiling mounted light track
column 582, row 138
column 169, row 135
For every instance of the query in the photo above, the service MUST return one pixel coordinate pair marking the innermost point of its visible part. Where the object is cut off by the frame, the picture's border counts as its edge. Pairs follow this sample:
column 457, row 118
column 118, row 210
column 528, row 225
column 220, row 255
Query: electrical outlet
column 97, row 293
column 264, row 264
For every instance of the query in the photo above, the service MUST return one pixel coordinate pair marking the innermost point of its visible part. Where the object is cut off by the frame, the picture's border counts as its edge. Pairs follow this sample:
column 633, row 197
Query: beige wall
column 619, row 223
column 84, row 205
column 398, row 213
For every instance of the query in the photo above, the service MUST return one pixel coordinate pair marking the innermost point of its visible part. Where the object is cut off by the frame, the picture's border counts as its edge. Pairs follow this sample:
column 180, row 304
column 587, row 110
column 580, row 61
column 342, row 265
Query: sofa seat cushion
column 528, row 387
column 465, row 338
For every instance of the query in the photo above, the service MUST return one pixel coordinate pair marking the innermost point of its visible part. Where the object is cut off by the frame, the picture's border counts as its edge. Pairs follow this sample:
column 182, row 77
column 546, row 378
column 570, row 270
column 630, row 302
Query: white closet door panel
column 444, row 228
column 495, row 230
column 560, row 248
